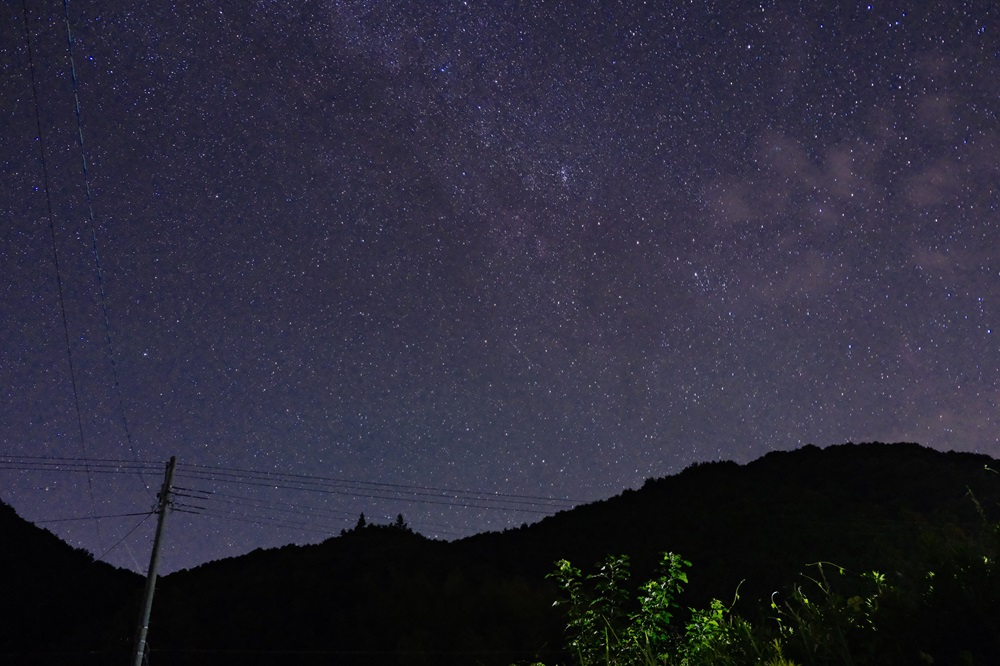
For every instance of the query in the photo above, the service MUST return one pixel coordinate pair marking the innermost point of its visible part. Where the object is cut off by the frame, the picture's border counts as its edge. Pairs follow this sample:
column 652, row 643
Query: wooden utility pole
column 147, row 598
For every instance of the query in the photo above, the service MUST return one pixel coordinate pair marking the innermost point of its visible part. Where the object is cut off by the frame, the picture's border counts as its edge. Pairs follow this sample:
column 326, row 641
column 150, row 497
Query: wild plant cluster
column 829, row 616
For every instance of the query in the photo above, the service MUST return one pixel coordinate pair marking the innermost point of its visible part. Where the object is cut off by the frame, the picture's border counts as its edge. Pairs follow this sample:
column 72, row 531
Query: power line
column 319, row 528
column 72, row 459
column 257, row 520
column 310, row 477
column 240, row 507
column 55, row 256
column 115, row 515
column 97, row 255
column 127, row 535
column 38, row 464
column 409, row 493
column 296, row 509
column 401, row 495
column 293, row 481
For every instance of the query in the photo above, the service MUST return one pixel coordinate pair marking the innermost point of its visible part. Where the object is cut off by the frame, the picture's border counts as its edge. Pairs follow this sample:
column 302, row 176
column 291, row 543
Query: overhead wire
column 97, row 254
column 298, row 482
column 144, row 463
column 414, row 496
column 293, row 508
column 289, row 481
column 308, row 479
column 262, row 507
column 121, row 541
column 114, row 515
column 55, row 258
column 256, row 519
column 265, row 473
column 66, row 464
column 97, row 261
column 223, row 504
column 252, row 508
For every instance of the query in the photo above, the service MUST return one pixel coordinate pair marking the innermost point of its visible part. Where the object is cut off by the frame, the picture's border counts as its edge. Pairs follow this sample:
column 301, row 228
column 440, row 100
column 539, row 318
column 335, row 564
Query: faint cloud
column 951, row 263
column 786, row 158
column 739, row 200
column 936, row 111
column 812, row 272
column 791, row 210
column 935, row 185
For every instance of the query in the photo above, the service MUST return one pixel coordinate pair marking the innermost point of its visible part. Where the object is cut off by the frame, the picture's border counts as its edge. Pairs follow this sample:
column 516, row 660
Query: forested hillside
column 57, row 600
column 382, row 594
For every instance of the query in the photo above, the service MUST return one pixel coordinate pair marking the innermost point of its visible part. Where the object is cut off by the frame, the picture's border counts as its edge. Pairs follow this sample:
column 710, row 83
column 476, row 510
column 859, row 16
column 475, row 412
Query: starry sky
column 474, row 262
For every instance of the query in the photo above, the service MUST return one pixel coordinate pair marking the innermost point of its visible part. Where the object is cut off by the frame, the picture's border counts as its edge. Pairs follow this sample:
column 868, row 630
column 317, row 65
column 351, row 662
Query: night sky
column 521, row 250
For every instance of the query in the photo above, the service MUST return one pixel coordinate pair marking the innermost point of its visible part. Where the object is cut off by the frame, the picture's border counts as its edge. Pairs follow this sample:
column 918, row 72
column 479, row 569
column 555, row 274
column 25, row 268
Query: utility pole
column 163, row 508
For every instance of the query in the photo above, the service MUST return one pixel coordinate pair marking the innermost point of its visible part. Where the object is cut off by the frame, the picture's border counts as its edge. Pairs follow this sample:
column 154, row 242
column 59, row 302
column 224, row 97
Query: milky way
column 517, row 248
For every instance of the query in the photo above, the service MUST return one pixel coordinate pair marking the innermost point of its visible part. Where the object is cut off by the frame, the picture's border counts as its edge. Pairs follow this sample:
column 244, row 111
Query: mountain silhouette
column 382, row 594
column 57, row 603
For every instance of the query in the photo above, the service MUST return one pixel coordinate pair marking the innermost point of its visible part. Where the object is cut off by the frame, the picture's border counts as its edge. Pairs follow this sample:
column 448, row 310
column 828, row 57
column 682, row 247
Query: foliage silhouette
column 601, row 629
column 828, row 617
